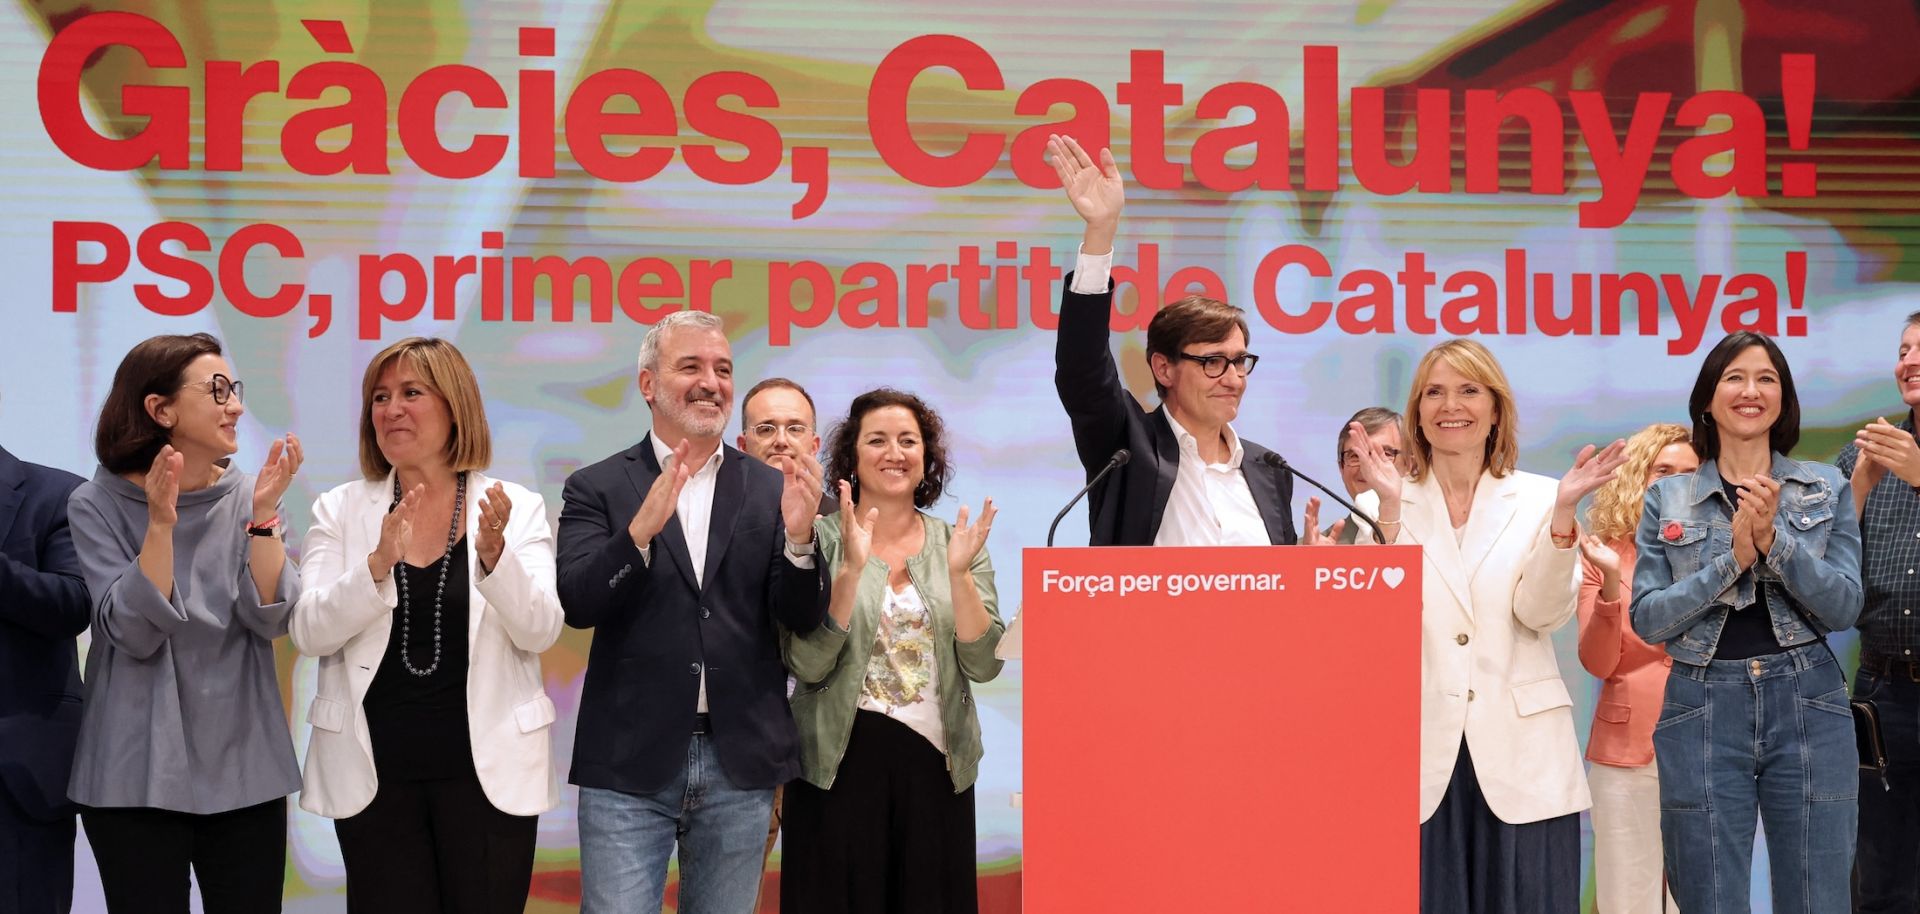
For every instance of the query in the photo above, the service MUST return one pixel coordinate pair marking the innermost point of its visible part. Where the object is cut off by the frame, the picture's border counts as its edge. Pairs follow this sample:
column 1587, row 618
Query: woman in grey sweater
column 184, row 757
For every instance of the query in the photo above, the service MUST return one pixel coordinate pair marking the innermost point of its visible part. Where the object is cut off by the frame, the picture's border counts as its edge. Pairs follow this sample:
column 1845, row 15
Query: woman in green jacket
column 882, row 817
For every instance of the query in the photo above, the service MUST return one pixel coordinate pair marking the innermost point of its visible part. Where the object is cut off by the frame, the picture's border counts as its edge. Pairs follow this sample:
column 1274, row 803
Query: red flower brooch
column 1671, row 532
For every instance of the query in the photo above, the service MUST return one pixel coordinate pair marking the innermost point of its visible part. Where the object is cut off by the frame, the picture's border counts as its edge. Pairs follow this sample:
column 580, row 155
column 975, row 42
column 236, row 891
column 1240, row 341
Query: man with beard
column 681, row 553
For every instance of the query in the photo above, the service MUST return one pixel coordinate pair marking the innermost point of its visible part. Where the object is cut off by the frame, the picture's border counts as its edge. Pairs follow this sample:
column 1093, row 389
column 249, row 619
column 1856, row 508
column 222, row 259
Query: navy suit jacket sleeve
column 1098, row 405
column 46, row 595
column 600, row 569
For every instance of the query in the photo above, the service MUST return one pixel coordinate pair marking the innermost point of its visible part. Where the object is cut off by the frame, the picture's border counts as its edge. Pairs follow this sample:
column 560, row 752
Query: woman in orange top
column 1625, row 784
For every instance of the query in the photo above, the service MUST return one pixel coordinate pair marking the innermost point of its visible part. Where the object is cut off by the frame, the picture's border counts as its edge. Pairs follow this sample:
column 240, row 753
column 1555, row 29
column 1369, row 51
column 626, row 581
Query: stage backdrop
column 1597, row 191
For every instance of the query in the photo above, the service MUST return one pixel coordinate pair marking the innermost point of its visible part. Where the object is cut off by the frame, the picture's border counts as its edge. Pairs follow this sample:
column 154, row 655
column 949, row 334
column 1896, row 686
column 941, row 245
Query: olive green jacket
column 831, row 664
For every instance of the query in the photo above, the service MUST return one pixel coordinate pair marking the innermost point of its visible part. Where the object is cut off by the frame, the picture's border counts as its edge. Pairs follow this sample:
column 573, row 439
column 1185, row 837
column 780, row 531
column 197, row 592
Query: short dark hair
column 1371, row 418
column 126, row 439
column 1706, row 438
column 1194, row 319
column 842, row 451
column 770, row 384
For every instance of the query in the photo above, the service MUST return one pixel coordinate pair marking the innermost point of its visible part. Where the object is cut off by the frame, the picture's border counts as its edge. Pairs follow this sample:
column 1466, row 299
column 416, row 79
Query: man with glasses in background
column 777, row 427
column 1190, row 480
column 1383, row 428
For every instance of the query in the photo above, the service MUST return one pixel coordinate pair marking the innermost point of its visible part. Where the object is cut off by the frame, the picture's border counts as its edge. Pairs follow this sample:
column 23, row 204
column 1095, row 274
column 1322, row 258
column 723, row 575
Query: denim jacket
column 1685, row 580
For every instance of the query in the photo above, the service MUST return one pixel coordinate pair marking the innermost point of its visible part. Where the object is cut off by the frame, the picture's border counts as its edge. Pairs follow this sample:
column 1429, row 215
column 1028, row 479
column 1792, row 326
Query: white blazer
column 343, row 618
column 1489, row 605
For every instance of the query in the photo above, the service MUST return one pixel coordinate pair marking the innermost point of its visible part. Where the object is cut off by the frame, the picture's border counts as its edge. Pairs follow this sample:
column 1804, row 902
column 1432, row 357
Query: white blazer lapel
column 477, row 484
column 1424, row 508
column 1494, row 504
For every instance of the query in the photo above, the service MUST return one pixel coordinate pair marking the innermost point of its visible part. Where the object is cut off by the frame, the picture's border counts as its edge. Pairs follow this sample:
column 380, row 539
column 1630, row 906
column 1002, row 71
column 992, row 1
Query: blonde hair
column 445, row 371
column 1615, row 510
column 1478, row 365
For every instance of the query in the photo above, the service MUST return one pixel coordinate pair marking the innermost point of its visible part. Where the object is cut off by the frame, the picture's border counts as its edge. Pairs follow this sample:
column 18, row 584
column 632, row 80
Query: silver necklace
column 439, row 592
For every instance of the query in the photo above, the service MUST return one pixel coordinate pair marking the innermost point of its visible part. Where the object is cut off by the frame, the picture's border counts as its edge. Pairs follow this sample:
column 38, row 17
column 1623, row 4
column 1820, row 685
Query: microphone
column 1118, row 460
column 1280, row 463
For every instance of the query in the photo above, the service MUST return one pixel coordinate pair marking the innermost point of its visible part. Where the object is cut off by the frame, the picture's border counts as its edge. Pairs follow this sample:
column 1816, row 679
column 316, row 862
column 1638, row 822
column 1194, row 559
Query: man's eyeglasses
column 1351, row 458
column 766, row 430
column 1214, row 366
column 224, row 388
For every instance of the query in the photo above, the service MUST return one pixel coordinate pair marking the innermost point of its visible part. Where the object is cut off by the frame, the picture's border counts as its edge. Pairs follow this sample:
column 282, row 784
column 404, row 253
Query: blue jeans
column 1771, row 736
column 1888, row 870
column 720, row 830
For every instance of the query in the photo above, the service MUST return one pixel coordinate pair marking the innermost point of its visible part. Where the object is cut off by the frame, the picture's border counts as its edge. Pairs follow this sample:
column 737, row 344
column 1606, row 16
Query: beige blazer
column 343, row 618
column 1490, row 603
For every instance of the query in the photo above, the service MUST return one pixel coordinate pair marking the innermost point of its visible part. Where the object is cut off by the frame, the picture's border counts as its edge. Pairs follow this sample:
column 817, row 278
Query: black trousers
column 36, row 861
column 438, row 845
column 890, row 836
column 238, row 857
column 1473, row 863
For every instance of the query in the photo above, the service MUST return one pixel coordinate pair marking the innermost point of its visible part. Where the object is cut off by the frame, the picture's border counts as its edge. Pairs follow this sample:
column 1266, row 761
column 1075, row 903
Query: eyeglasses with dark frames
column 1214, row 366
column 224, row 388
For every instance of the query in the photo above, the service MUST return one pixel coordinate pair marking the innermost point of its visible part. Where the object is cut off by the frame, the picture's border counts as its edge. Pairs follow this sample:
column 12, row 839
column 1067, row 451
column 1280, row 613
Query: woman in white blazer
column 1501, row 784
column 427, row 592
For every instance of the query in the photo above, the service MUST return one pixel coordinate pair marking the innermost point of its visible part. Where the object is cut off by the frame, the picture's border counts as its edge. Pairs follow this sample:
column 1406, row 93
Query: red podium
column 1222, row 730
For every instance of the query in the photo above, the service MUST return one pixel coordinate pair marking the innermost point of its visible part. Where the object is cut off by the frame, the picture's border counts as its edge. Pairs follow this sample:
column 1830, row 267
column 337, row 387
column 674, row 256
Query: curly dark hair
column 842, row 448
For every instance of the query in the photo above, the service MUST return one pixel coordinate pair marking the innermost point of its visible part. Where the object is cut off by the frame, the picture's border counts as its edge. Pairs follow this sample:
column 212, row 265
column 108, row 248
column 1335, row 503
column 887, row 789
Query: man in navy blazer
column 43, row 607
column 1190, row 481
column 681, row 553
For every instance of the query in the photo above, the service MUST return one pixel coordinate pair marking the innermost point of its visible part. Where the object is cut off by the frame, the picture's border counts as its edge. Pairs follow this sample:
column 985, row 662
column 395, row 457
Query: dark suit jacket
column 43, row 607
column 655, row 629
column 1125, row 508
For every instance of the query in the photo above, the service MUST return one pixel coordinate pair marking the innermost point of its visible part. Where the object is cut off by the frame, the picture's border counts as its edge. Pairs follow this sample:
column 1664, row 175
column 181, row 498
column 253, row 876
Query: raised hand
column 856, row 533
column 1892, row 448
column 968, row 539
column 800, row 496
column 495, row 510
column 662, row 498
column 284, row 457
column 1376, row 468
column 163, row 487
column 1591, row 469
column 396, row 530
column 1097, row 193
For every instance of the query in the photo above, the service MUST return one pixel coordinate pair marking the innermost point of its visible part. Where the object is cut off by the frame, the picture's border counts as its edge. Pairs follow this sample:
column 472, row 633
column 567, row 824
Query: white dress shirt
column 695, row 511
column 1211, row 504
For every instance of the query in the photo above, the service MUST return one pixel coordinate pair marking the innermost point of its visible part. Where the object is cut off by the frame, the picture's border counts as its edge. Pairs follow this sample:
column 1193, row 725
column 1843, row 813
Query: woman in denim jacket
column 1743, row 568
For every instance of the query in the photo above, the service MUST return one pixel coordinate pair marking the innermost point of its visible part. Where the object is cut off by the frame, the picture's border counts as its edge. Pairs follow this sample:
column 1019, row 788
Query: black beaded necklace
column 446, row 561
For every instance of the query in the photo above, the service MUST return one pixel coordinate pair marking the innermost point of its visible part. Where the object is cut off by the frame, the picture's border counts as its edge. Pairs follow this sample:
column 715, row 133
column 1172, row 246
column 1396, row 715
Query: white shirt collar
column 661, row 452
column 1191, row 445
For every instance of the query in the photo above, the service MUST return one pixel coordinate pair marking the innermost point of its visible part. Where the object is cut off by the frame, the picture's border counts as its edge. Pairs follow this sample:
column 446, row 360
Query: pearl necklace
column 439, row 592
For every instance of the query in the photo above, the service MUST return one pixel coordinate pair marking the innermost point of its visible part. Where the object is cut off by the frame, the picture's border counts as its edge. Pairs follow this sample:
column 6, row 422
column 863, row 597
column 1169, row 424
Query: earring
column 1706, row 418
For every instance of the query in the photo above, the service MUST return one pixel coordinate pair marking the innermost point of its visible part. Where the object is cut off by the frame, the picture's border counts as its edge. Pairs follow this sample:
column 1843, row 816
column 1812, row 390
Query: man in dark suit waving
column 43, row 607
column 681, row 553
column 1191, row 481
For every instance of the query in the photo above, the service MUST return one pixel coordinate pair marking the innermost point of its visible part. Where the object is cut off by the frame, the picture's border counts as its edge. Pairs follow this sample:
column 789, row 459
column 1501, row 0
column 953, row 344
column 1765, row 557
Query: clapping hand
column 1312, row 536
column 662, row 498
column 396, row 530
column 856, row 533
column 163, row 487
column 495, row 511
column 800, row 495
column 284, row 457
column 968, row 539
